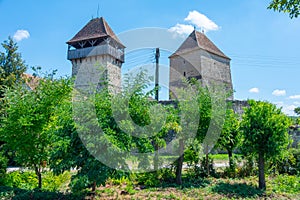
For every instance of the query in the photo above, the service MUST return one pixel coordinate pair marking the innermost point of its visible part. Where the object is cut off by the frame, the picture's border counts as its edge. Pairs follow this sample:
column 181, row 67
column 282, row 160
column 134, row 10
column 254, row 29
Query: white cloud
column 181, row 29
column 196, row 19
column 297, row 103
column 254, row 90
column 201, row 21
column 279, row 93
column 286, row 108
column 279, row 103
column 295, row 97
column 21, row 35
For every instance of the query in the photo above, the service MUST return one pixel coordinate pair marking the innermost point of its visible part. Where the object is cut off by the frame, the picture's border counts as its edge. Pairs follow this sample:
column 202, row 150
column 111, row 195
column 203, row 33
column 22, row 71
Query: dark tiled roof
column 96, row 28
column 199, row 40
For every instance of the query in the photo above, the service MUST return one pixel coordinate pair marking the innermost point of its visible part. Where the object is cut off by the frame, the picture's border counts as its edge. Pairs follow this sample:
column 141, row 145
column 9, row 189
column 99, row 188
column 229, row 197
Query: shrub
column 28, row 180
column 249, row 167
column 200, row 171
column 286, row 184
column 3, row 166
column 288, row 164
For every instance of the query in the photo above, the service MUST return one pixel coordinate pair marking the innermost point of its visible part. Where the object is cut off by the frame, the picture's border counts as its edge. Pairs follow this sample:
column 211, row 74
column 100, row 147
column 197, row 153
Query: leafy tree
column 297, row 111
column 265, row 133
column 200, row 112
column 292, row 7
column 12, row 66
column 230, row 135
column 29, row 121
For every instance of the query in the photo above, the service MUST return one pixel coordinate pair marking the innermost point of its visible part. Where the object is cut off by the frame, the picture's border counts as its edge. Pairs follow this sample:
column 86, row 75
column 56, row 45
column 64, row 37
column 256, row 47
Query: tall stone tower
column 199, row 58
column 96, row 46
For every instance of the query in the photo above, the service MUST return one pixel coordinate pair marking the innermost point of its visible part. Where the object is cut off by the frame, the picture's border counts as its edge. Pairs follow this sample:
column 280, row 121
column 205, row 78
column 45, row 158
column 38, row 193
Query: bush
column 249, row 168
column 286, row 184
column 28, row 180
column 233, row 171
column 3, row 166
column 200, row 171
column 289, row 164
column 149, row 179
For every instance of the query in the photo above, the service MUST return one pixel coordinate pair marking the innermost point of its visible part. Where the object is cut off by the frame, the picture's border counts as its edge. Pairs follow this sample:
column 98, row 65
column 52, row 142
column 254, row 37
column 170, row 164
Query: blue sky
column 264, row 45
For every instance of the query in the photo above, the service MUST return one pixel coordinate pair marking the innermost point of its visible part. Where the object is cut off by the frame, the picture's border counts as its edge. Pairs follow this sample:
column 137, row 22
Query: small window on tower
column 184, row 74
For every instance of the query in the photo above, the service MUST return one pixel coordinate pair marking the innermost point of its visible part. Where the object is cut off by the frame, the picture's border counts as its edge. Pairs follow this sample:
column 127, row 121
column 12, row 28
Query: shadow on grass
column 237, row 190
column 21, row 194
column 187, row 182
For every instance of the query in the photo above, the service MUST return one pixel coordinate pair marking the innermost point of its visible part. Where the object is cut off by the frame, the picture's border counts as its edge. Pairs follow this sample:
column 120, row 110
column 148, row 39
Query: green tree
column 12, row 66
column 230, row 135
column 27, row 127
column 297, row 111
column 200, row 113
column 265, row 133
column 88, row 140
column 292, row 7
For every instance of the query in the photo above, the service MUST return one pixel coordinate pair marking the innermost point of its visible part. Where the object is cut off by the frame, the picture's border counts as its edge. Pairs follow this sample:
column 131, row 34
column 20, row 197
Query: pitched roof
column 94, row 29
column 199, row 40
column 31, row 81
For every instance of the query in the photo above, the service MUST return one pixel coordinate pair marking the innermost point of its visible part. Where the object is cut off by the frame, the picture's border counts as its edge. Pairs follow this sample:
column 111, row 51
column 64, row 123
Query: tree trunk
column 230, row 158
column 206, row 160
column 94, row 186
column 261, row 169
column 39, row 176
column 155, row 160
column 180, row 162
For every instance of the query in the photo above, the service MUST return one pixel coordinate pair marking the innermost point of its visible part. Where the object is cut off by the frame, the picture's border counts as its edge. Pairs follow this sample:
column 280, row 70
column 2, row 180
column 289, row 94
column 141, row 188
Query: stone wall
column 96, row 69
column 206, row 67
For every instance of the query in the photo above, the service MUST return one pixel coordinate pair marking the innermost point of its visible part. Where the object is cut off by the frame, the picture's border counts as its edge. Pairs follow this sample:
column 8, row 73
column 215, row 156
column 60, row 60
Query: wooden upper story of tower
column 95, row 38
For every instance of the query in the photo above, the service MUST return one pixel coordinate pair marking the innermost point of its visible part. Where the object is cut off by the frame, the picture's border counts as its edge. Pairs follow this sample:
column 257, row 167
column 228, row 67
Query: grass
column 278, row 187
column 216, row 189
column 220, row 157
column 211, row 188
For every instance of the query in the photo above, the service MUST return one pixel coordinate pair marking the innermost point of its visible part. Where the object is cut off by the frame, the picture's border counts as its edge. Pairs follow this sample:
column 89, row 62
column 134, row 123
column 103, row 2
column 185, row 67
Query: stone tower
column 199, row 58
column 96, row 46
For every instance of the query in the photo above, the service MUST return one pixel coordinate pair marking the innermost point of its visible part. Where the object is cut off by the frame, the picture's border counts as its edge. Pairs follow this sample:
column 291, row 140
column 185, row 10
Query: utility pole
column 157, row 55
column 156, row 156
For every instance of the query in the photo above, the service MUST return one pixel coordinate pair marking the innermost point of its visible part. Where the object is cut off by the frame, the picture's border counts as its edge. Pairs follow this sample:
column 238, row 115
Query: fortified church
column 197, row 57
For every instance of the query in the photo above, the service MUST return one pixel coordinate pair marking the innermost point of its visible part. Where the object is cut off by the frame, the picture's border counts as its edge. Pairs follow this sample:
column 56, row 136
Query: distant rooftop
column 199, row 40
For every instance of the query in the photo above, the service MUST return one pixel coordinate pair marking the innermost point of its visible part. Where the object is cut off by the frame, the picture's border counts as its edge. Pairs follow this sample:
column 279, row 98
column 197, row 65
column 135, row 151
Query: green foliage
column 265, row 134
column 249, row 167
column 30, row 119
column 297, row 111
column 230, row 136
column 285, row 184
column 22, row 180
column 11, row 66
column 289, row 163
column 237, row 190
column 78, row 151
column 265, row 129
column 3, row 166
column 292, row 7
column 28, row 180
column 201, row 170
column 21, row 194
column 159, row 178
column 148, row 179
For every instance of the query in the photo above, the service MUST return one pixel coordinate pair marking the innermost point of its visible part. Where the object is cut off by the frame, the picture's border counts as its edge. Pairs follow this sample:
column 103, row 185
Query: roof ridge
column 104, row 25
column 95, row 28
column 199, row 40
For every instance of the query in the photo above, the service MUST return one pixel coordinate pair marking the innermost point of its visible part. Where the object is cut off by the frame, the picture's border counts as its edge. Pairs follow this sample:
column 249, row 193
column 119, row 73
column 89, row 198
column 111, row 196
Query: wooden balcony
column 96, row 50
